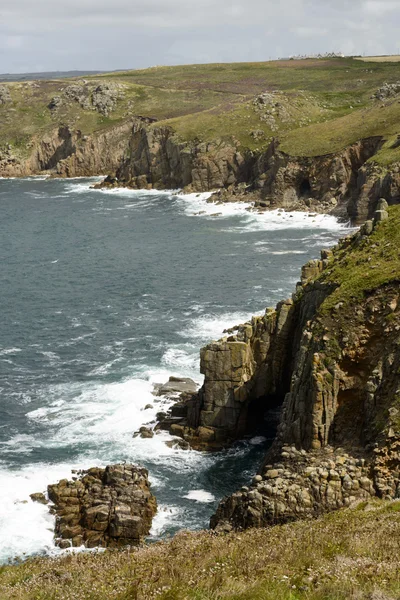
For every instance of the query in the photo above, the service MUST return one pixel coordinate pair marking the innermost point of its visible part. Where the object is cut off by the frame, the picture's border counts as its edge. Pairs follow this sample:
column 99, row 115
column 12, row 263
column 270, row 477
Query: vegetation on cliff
column 349, row 555
column 322, row 105
column 374, row 261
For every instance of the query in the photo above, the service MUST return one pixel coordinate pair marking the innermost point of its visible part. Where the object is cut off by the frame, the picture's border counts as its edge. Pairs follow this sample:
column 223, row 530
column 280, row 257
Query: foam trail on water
column 210, row 327
column 200, row 496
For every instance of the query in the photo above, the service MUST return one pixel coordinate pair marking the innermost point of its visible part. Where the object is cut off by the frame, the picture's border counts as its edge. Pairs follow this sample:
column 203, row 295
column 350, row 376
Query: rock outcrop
column 5, row 96
column 343, row 184
column 157, row 158
column 330, row 357
column 108, row 507
column 69, row 153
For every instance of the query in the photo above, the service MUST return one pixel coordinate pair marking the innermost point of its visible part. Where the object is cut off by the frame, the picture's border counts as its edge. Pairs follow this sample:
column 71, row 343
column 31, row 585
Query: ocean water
column 103, row 294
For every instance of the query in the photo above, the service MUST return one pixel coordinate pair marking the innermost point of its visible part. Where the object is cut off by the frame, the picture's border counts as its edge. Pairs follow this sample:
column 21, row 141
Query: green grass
column 347, row 555
column 328, row 105
column 370, row 265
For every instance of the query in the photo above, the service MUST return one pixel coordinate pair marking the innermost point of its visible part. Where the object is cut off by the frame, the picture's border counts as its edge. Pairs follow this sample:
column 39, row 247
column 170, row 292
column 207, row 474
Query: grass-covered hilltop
column 317, row 133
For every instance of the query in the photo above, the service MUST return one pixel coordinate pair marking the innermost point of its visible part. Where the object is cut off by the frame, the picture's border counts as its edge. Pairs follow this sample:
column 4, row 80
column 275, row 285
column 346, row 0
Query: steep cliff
column 66, row 152
column 330, row 357
column 343, row 183
column 323, row 138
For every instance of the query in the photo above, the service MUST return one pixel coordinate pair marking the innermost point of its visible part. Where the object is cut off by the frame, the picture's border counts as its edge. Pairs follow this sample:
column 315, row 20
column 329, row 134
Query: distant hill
column 45, row 75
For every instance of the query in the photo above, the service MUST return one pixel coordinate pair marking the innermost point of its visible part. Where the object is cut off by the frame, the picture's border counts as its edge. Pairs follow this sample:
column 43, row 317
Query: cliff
column 344, row 184
column 320, row 138
column 330, row 358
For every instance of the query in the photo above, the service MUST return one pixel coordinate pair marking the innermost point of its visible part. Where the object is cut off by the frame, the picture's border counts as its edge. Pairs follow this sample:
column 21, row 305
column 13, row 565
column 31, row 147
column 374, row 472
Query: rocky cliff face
column 68, row 153
column 141, row 154
column 330, row 357
column 157, row 159
column 323, row 183
column 104, row 507
column 342, row 184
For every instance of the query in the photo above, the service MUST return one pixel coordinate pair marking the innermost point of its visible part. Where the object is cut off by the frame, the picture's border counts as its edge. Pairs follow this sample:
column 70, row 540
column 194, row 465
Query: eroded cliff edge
column 347, row 183
column 330, row 358
column 141, row 154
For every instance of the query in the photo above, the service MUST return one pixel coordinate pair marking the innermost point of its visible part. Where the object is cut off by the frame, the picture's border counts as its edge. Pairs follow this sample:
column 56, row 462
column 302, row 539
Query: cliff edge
column 329, row 357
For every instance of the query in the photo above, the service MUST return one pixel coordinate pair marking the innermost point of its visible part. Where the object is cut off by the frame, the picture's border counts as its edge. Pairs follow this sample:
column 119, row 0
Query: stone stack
column 108, row 507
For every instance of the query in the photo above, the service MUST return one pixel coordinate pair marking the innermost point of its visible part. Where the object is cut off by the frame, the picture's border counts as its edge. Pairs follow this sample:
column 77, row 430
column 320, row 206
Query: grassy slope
column 327, row 104
column 371, row 264
column 347, row 555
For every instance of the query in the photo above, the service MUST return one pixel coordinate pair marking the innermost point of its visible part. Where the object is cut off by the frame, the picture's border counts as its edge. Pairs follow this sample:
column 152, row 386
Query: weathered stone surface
column 338, row 440
column 38, row 497
column 307, row 485
column 104, row 507
column 176, row 385
column 5, row 96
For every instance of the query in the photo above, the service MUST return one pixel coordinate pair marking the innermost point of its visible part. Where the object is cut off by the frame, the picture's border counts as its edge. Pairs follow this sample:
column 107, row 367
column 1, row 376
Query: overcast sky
column 50, row 35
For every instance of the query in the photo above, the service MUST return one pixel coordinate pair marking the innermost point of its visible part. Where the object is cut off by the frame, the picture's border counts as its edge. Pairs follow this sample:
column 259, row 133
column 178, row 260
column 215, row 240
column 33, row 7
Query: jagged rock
column 79, row 93
column 176, row 385
column 380, row 215
column 104, row 98
column 38, row 497
column 337, row 373
column 5, row 96
column 388, row 90
column 304, row 487
column 55, row 103
column 104, row 507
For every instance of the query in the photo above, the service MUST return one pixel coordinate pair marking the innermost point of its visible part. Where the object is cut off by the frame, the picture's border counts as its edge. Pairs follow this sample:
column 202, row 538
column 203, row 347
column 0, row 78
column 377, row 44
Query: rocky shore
column 109, row 507
column 329, row 357
column 346, row 184
column 139, row 154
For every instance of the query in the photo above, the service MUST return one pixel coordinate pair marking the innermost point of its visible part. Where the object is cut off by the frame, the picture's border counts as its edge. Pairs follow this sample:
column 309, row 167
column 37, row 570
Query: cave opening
column 305, row 188
column 263, row 416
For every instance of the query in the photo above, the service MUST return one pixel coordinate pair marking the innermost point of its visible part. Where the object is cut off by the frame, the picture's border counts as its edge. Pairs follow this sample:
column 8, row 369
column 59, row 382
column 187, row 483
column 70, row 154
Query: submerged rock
column 39, row 497
column 108, row 507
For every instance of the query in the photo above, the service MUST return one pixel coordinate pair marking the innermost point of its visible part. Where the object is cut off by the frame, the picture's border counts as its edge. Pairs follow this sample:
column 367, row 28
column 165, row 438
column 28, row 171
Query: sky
column 54, row 35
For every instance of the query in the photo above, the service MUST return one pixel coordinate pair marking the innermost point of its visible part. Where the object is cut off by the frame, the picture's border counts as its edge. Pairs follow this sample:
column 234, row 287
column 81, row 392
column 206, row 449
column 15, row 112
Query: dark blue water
column 103, row 294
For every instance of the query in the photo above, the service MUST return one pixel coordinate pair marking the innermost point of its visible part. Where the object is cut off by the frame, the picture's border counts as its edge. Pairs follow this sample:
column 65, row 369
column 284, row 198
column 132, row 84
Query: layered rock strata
column 108, row 507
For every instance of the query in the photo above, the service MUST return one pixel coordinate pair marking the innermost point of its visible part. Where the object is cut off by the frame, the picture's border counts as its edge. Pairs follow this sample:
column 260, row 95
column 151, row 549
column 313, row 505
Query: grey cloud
column 100, row 34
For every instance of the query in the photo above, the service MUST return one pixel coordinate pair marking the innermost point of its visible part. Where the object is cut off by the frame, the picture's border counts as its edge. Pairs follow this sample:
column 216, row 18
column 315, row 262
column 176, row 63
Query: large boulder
column 176, row 385
column 5, row 96
column 108, row 507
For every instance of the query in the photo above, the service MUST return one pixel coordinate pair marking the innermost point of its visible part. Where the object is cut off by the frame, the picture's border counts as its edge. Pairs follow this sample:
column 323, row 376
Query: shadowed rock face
column 108, row 507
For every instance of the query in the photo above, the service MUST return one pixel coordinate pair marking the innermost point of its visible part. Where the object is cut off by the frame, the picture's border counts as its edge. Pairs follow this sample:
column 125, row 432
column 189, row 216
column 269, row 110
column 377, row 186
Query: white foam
column 282, row 252
column 165, row 515
column 197, row 205
column 258, row 440
column 7, row 351
column 27, row 527
column 200, row 496
column 209, row 327
column 182, row 360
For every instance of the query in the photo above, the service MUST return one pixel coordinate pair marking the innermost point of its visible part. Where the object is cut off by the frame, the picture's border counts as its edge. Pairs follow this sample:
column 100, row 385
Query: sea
column 104, row 293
